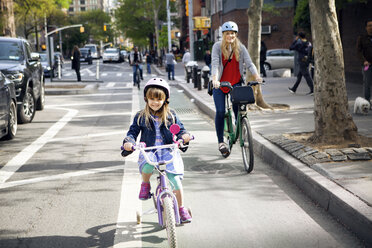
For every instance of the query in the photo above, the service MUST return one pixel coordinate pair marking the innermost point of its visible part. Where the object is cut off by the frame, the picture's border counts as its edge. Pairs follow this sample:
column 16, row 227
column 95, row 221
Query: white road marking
column 88, row 136
column 119, row 74
column 128, row 233
column 93, row 95
column 110, row 85
column 100, row 115
column 104, row 74
column 60, row 176
column 22, row 157
column 86, row 104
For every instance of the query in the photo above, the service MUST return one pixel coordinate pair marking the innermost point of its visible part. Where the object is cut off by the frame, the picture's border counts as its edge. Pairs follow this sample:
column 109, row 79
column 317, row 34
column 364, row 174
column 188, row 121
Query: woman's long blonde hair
column 235, row 46
column 162, row 113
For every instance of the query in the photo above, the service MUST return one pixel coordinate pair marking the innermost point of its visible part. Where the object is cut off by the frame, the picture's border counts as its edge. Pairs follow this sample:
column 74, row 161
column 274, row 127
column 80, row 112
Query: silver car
column 111, row 55
column 279, row 58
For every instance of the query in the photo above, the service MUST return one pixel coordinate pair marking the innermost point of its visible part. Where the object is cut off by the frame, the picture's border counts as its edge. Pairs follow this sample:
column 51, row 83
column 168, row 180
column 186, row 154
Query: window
column 82, row 8
column 71, row 9
column 82, row 2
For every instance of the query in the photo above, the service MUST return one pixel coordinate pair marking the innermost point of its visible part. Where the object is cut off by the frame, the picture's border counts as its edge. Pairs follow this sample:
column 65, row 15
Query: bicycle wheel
column 170, row 221
column 138, row 79
column 247, row 148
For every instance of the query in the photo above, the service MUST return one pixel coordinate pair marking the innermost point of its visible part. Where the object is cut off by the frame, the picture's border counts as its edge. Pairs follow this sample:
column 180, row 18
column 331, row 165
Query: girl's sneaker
column 185, row 215
column 145, row 191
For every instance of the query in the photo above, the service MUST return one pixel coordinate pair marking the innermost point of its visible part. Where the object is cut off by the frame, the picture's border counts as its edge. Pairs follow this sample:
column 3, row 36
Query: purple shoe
column 185, row 215
column 145, row 191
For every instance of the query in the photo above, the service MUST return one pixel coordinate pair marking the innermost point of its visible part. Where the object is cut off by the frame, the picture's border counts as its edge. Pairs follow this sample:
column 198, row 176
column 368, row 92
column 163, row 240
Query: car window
column 43, row 57
column 288, row 53
column 10, row 50
column 274, row 53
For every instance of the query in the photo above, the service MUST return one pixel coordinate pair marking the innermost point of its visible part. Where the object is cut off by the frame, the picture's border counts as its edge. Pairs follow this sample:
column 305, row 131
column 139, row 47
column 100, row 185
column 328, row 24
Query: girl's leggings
column 175, row 179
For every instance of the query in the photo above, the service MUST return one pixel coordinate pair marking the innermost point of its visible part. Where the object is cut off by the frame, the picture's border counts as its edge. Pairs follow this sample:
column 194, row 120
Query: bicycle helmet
column 229, row 26
column 158, row 83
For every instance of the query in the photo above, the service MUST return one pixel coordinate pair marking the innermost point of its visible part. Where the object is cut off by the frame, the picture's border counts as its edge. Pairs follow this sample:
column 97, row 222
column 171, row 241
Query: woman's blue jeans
column 219, row 102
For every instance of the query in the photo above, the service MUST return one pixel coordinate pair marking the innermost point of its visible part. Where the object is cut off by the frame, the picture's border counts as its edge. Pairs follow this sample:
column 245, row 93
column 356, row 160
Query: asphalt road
column 66, row 185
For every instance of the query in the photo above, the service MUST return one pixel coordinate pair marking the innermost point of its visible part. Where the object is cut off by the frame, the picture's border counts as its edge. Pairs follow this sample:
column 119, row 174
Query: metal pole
column 60, row 43
column 191, row 31
column 169, row 27
column 59, row 67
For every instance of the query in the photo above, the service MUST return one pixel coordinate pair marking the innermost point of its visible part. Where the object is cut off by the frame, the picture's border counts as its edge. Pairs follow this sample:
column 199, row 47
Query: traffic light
column 187, row 7
column 104, row 28
column 81, row 29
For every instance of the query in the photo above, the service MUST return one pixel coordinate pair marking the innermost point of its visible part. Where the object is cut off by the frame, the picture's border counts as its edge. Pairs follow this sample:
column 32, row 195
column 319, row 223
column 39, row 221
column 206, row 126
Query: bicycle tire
column 247, row 148
column 138, row 79
column 170, row 221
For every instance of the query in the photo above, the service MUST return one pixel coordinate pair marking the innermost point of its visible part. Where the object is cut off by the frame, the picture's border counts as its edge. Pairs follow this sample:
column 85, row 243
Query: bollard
column 59, row 67
column 198, row 81
column 97, row 70
column 205, row 76
column 189, row 70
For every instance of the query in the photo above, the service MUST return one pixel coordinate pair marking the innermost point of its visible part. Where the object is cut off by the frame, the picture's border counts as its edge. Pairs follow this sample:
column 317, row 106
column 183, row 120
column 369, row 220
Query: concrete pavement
column 338, row 180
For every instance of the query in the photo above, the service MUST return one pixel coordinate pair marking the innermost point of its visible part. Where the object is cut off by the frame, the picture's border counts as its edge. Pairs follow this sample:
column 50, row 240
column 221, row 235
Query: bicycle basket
column 242, row 95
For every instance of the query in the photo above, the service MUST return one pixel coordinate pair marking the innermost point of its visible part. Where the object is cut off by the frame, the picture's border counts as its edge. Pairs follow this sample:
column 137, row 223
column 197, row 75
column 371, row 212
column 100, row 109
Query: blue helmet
column 229, row 26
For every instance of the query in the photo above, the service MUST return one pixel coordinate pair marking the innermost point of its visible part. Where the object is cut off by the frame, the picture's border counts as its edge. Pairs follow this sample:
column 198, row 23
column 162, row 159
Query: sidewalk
column 338, row 180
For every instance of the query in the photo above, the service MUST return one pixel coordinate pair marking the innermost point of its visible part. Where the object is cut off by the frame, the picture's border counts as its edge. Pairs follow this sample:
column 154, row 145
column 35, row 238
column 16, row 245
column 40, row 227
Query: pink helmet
column 158, row 83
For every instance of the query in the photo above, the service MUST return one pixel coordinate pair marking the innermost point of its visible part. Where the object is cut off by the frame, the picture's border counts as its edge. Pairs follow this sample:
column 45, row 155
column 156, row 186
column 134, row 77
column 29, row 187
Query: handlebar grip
column 125, row 153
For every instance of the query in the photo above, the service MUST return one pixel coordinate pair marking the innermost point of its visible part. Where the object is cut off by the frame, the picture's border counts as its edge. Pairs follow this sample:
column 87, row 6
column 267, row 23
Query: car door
column 34, row 70
column 275, row 59
column 4, row 95
column 288, row 58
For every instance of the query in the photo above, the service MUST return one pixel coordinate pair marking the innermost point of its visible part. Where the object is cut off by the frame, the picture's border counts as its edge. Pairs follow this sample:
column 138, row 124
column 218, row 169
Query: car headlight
column 16, row 77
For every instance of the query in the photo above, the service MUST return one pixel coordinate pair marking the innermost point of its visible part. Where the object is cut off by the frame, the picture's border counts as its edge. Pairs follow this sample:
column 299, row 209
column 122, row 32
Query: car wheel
column 90, row 62
column 41, row 101
column 267, row 66
column 26, row 111
column 12, row 122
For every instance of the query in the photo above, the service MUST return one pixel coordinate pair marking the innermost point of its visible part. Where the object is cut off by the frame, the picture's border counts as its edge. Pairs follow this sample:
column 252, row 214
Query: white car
column 111, row 54
column 279, row 58
column 94, row 50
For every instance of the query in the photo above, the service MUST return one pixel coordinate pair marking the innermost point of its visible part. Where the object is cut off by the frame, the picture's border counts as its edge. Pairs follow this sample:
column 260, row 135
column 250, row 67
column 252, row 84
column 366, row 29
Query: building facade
column 84, row 5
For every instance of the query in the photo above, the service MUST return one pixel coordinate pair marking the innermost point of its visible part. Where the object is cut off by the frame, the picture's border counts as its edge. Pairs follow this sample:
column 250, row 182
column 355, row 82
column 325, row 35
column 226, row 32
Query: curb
column 343, row 205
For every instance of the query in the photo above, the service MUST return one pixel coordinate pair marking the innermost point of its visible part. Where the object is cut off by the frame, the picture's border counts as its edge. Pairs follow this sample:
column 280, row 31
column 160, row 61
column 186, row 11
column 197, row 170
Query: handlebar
column 250, row 83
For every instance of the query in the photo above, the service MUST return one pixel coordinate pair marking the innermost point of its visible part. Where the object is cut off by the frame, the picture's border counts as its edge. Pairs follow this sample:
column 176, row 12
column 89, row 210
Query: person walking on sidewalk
column 148, row 62
column 75, row 63
column 169, row 60
column 208, row 59
column 229, row 57
column 364, row 46
column 302, row 46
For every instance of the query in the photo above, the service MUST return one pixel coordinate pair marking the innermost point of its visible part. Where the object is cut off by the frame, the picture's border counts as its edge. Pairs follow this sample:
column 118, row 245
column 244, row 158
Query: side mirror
column 35, row 57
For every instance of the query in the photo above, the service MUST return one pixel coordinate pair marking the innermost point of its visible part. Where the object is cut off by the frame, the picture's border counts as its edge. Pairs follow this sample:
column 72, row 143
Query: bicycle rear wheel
column 170, row 221
column 247, row 147
column 138, row 79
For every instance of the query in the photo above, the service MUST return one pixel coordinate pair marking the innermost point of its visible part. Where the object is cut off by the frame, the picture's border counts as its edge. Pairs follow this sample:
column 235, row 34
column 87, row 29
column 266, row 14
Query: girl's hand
column 128, row 146
column 186, row 138
column 257, row 78
column 216, row 84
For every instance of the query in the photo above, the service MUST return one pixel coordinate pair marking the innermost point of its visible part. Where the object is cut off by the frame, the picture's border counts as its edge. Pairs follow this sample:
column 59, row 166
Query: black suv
column 23, row 67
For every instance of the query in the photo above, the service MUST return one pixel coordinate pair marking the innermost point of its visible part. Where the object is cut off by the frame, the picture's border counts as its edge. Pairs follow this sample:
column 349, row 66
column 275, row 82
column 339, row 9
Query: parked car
column 124, row 55
column 86, row 55
column 279, row 58
column 94, row 49
column 111, row 54
column 49, row 71
column 24, row 68
column 8, row 108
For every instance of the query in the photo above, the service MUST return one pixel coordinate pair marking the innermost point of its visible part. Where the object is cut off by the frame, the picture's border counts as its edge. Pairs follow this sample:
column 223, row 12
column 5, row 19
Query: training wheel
column 138, row 217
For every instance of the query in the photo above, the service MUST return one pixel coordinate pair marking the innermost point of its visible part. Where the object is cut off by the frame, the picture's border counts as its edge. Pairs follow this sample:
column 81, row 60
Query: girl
column 228, row 59
column 153, row 122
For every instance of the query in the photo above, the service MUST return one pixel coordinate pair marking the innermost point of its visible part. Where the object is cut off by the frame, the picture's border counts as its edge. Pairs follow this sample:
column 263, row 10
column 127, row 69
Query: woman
column 229, row 57
column 75, row 65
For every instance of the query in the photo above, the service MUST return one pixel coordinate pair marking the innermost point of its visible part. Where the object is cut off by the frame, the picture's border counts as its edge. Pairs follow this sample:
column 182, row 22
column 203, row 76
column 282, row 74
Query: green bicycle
column 241, row 95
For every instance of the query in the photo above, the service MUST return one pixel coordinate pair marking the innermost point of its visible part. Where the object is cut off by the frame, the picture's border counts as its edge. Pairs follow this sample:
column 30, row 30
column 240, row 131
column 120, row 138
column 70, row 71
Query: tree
column 333, row 122
column 254, row 44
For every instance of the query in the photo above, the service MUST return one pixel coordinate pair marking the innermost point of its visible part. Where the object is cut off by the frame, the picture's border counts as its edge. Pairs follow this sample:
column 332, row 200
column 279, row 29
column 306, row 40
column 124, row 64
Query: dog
column 361, row 106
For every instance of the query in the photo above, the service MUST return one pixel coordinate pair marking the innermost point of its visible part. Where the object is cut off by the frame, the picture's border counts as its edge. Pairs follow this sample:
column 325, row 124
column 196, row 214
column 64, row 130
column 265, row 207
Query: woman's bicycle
column 138, row 76
column 165, row 202
column 241, row 95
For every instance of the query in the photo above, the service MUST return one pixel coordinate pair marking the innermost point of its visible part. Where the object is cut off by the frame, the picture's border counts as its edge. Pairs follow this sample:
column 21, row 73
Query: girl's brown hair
column 225, row 47
column 162, row 113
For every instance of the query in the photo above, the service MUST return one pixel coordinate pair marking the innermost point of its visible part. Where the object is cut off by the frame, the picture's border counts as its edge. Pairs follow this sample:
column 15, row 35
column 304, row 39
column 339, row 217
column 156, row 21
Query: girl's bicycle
column 165, row 202
column 241, row 95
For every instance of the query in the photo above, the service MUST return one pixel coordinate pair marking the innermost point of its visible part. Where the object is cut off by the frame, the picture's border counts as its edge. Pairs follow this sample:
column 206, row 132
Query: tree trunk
column 156, row 21
column 254, row 45
column 333, row 121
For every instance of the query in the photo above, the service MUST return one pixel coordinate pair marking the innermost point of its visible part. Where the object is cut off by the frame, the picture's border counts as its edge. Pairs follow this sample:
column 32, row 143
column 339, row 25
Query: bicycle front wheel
column 170, row 221
column 247, row 145
column 138, row 79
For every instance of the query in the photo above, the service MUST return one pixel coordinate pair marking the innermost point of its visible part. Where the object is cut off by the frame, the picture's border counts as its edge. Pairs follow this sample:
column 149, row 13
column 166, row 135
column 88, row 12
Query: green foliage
column 163, row 37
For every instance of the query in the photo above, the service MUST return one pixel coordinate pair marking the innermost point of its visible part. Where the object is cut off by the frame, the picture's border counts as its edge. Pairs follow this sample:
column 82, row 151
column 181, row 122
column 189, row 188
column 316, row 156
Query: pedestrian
column 169, row 60
column 364, row 47
column 136, row 59
column 302, row 46
column 208, row 59
column 229, row 57
column 154, row 122
column 263, row 58
column 75, row 63
column 148, row 62
column 185, row 60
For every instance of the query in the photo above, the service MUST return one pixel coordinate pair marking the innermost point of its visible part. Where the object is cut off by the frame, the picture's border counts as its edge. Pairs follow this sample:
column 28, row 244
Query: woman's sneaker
column 145, row 191
column 185, row 215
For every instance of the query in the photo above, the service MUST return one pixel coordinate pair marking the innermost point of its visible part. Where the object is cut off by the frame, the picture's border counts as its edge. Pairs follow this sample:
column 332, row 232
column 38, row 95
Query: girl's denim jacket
column 148, row 133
